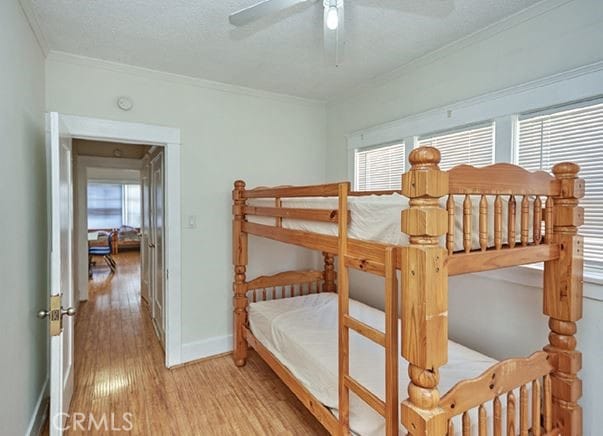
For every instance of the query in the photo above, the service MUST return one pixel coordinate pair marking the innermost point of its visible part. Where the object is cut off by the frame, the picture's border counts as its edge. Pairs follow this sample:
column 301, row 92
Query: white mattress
column 377, row 218
column 302, row 333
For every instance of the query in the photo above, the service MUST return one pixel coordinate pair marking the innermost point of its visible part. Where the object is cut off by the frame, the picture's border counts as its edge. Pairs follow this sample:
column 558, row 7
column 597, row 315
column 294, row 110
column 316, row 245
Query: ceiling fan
column 333, row 19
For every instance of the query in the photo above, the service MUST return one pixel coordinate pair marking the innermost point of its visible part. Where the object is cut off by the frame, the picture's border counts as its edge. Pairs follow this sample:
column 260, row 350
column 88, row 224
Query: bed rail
column 285, row 284
column 526, row 379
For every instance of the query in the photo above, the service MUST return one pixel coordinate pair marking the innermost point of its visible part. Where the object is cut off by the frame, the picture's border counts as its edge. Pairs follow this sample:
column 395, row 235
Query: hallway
column 122, row 383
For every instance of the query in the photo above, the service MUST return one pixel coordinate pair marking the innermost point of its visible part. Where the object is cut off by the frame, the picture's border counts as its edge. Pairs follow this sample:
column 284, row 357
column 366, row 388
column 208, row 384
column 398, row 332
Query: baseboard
column 206, row 348
column 40, row 413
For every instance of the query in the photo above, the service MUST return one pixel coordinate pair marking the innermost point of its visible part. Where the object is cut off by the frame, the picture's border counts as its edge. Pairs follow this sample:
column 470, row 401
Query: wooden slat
column 392, row 423
column 343, row 293
column 285, row 278
column 467, row 224
column 364, row 330
column 450, row 205
column 548, row 404
column 367, row 396
column 498, row 222
column 308, row 214
column 525, row 220
column 511, row 414
column 497, row 423
column 313, row 241
column 327, row 190
column 536, row 393
column 500, row 378
column 511, row 236
column 278, row 203
column 368, row 251
column 466, row 424
column 482, row 421
column 548, row 220
column 376, row 268
column 483, row 223
column 523, row 411
column 501, row 178
column 322, row 414
column 463, row 263
column 537, row 231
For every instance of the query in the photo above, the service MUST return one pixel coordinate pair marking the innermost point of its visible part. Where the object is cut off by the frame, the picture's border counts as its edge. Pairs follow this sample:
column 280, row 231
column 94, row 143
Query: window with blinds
column 574, row 135
column 379, row 168
column 474, row 146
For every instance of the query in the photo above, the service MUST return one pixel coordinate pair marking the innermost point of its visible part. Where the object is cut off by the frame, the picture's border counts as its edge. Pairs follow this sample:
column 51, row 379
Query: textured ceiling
column 282, row 53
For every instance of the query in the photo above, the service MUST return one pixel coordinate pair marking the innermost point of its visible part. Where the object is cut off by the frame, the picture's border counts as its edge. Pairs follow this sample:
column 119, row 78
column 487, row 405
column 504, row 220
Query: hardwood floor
column 119, row 370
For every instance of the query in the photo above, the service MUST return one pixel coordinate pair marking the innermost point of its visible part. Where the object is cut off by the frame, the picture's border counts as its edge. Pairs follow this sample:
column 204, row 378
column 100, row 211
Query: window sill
column 531, row 275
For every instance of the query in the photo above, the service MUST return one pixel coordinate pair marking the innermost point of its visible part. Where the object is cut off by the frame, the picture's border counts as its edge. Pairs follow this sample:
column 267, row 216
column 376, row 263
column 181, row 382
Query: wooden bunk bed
column 539, row 394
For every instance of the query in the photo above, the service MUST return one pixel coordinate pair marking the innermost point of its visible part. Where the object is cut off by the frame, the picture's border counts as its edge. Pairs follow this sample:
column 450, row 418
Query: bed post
column 563, row 299
column 239, row 260
column 329, row 273
column 424, row 290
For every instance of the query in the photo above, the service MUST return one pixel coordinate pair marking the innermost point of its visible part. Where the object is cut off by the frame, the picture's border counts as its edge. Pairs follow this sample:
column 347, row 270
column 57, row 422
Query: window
column 111, row 205
column 473, row 146
column 379, row 168
column 574, row 135
column 131, row 206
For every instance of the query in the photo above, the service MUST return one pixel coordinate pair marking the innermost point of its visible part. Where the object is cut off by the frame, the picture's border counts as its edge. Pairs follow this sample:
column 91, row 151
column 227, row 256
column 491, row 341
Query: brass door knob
column 70, row 311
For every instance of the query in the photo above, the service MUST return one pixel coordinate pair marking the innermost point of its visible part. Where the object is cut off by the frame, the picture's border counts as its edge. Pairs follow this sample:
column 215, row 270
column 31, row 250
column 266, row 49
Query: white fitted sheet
column 377, row 218
column 302, row 334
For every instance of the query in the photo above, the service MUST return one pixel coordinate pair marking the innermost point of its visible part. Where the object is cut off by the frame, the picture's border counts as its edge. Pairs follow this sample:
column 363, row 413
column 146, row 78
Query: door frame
column 169, row 138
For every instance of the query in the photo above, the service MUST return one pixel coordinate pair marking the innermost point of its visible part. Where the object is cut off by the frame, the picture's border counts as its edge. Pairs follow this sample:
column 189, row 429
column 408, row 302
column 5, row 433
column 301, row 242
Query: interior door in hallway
column 61, row 292
column 157, row 246
column 145, row 270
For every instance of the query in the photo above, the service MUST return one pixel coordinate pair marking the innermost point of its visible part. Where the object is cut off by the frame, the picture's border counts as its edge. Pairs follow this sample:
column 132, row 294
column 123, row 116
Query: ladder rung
column 364, row 329
column 370, row 398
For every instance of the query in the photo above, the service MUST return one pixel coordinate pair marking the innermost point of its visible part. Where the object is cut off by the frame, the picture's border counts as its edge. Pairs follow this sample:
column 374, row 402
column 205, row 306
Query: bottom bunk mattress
column 302, row 334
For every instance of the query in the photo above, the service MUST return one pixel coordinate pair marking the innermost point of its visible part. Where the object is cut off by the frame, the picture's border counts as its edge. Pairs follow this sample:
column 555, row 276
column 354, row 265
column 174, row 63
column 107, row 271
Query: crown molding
column 525, row 15
column 89, row 62
column 34, row 23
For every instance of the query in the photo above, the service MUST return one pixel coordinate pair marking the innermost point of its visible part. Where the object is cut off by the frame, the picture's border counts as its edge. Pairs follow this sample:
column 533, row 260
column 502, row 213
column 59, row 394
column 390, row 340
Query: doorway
column 163, row 142
column 119, row 210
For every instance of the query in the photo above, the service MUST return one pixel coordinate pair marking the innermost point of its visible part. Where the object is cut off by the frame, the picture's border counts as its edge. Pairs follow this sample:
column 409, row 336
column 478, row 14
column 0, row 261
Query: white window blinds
column 474, row 146
column 574, row 135
column 379, row 168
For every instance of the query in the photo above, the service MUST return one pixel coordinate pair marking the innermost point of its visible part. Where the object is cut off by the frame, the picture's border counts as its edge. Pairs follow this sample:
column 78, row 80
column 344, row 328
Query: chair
column 104, row 250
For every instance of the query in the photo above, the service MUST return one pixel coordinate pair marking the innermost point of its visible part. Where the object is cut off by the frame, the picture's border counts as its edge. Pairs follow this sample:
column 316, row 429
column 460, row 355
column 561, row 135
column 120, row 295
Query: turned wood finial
column 566, row 170
column 239, row 184
column 424, row 157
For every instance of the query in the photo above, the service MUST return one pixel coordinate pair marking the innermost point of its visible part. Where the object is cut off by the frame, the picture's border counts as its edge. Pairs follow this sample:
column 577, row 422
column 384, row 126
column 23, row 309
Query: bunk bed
column 326, row 346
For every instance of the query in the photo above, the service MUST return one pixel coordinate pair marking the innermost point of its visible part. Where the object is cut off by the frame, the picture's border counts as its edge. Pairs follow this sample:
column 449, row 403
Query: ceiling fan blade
column 260, row 10
column 334, row 40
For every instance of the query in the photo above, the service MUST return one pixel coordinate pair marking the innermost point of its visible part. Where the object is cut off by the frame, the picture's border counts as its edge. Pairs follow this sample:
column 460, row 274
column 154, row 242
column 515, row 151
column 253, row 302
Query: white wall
column 227, row 133
column 506, row 319
column 23, row 256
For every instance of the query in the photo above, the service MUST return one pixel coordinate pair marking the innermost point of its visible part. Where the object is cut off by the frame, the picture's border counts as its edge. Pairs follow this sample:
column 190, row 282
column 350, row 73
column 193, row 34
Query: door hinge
column 167, row 274
column 54, row 314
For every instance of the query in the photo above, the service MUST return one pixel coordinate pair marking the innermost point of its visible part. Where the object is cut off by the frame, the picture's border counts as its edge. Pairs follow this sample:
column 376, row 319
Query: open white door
column 61, row 301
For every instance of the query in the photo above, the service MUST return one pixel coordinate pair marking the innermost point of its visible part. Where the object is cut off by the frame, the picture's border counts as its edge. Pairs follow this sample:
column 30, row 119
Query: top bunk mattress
column 302, row 333
column 377, row 218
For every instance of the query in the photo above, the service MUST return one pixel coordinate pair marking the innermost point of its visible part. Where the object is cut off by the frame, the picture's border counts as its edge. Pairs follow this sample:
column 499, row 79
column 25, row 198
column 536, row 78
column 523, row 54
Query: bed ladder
column 388, row 339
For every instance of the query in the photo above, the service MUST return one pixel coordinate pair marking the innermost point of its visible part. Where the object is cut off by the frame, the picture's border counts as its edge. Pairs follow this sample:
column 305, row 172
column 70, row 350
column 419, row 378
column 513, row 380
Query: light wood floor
column 119, row 369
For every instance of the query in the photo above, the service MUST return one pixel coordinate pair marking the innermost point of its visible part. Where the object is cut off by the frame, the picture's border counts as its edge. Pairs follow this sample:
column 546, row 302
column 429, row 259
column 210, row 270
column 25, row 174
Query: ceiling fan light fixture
column 332, row 18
